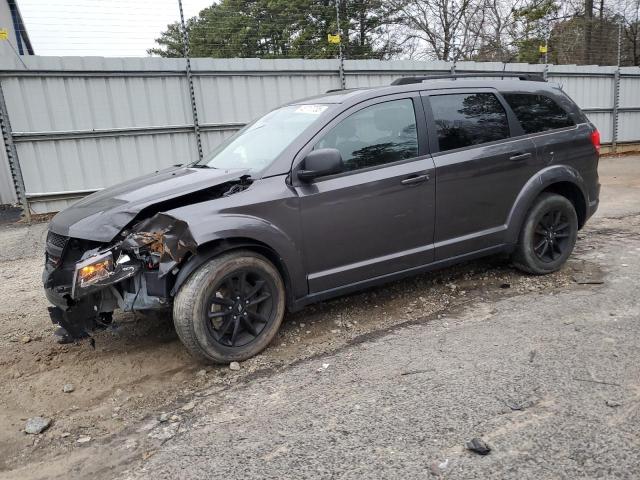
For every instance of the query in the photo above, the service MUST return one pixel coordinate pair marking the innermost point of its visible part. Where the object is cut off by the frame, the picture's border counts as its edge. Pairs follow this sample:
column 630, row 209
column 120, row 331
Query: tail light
column 595, row 139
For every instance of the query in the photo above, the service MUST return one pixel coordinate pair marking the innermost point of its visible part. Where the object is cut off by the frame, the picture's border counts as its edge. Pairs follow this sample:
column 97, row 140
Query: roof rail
column 533, row 77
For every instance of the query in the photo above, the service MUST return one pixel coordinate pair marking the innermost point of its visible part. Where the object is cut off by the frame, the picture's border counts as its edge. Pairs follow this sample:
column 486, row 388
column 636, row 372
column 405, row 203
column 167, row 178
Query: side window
column 537, row 113
column 379, row 134
column 468, row 119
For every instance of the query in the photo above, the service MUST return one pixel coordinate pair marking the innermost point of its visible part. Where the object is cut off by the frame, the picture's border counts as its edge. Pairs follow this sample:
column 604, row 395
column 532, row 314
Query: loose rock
column 234, row 366
column 83, row 439
column 478, row 446
column 68, row 388
column 37, row 425
column 25, row 339
column 164, row 417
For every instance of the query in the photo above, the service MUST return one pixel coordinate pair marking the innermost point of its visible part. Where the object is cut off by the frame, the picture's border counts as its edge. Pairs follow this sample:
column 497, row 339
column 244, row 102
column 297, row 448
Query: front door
column 376, row 217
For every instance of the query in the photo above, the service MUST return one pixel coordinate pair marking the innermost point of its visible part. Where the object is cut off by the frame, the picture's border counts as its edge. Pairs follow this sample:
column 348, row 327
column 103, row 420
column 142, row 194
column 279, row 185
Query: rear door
column 551, row 126
column 482, row 162
column 375, row 218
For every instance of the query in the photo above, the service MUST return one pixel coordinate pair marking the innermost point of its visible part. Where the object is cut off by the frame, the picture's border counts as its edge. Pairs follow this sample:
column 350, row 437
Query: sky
column 109, row 28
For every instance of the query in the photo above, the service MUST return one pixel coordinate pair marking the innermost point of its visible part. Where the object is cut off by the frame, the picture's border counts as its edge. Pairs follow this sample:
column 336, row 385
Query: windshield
column 259, row 143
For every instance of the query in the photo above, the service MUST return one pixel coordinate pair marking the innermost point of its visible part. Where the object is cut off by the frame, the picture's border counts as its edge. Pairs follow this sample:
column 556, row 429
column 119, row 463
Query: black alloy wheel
column 547, row 236
column 231, row 307
column 240, row 308
column 551, row 236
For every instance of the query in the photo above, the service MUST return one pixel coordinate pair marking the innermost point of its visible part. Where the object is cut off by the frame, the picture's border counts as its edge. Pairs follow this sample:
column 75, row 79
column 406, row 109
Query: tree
column 446, row 29
column 629, row 12
column 282, row 28
column 534, row 20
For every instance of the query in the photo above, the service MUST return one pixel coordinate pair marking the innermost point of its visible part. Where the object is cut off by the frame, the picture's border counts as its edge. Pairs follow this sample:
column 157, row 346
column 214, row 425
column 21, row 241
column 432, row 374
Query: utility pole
column 546, row 46
column 194, row 108
column 588, row 29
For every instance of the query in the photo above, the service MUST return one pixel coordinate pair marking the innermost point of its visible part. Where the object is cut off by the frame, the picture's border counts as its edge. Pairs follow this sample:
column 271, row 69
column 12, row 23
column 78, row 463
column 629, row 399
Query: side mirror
column 325, row 161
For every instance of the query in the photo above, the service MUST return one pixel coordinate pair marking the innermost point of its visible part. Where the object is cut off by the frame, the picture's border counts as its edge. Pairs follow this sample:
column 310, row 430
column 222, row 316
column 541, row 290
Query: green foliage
column 535, row 19
column 536, row 16
column 528, row 49
column 280, row 29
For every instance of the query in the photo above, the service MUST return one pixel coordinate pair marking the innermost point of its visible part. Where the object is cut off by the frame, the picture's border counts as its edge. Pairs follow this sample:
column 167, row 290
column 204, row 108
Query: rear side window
column 538, row 113
column 379, row 134
column 468, row 119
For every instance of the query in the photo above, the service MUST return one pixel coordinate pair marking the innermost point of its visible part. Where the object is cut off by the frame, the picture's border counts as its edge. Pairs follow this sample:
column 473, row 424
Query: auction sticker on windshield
column 312, row 109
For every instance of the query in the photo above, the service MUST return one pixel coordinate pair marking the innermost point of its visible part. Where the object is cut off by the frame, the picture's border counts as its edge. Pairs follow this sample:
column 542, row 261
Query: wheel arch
column 560, row 179
column 215, row 248
column 572, row 193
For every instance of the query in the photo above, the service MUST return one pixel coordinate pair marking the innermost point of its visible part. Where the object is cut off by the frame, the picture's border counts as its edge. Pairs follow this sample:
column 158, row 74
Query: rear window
column 538, row 113
column 463, row 120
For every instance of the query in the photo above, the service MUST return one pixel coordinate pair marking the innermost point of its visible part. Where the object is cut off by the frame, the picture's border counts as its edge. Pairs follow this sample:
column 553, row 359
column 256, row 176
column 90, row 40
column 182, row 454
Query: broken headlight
column 99, row 271
column 93, row 270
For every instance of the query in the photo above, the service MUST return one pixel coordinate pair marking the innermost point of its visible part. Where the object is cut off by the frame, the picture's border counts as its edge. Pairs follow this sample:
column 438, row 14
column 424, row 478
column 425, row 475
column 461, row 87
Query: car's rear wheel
column 548, row 235
column 230, row 308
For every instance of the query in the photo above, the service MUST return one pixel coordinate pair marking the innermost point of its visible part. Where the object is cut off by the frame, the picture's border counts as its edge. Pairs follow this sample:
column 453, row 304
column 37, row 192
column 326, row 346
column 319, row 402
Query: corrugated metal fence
column 79, row 124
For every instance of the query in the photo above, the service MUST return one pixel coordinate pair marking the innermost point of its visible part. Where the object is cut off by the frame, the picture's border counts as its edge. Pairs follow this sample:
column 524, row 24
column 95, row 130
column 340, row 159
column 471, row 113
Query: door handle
column 520, row 156
column 416, row 179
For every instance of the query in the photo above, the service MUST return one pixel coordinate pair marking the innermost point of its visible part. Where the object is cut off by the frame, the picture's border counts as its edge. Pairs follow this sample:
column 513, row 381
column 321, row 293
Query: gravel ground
column 414, row 369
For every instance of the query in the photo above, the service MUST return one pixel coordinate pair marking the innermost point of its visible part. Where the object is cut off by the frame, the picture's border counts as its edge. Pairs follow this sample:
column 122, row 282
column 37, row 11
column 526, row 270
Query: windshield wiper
column 200, row 165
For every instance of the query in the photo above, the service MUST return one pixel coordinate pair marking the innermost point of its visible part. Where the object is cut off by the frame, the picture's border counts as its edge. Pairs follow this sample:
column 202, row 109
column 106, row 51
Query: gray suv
column 326, row 196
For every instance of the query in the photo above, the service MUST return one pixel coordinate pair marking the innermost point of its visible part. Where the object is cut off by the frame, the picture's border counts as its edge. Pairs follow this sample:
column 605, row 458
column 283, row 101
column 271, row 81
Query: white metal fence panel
column 83, row 123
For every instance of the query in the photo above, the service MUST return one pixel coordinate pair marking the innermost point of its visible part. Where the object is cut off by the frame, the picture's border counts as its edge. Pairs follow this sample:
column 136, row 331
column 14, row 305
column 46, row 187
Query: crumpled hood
column 102, row 215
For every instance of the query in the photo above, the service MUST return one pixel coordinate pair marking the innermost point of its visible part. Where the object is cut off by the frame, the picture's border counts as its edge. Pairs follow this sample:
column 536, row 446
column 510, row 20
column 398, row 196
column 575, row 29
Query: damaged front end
column 86, row 281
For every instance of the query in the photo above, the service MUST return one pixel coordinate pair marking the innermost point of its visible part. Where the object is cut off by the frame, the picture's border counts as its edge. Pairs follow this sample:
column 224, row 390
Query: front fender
column 536, row 185
column 225, row 231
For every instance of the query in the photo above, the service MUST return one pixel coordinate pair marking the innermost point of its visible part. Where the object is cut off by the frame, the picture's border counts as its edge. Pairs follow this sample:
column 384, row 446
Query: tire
column 213, row 324
column 548, row 235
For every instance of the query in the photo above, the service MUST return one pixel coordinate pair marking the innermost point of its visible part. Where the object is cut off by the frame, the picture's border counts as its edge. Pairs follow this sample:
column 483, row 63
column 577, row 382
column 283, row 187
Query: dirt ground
column 139, row 369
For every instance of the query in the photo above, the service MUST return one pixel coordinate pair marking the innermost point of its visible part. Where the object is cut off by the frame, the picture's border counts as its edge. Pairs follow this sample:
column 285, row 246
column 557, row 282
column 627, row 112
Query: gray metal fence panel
column 629, row 120
column 84, row 123
column 7, row 192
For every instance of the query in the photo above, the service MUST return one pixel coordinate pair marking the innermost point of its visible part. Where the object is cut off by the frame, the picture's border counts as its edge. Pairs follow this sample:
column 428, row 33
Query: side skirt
column 372, row 282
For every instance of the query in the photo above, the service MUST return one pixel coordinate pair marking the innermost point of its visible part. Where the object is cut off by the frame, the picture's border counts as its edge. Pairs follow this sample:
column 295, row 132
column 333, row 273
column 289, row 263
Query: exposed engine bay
column 87, row 280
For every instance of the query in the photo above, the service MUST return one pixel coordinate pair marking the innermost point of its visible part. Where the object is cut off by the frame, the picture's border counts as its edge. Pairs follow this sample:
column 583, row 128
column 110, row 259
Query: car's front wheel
column 548, row 235
column 230, row 308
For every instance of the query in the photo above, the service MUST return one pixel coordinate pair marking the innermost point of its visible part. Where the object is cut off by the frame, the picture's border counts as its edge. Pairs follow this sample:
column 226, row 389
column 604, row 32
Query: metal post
column 194, row 108
column 12, row 155
column 343, row 84
column 619, row 44
column 616, row 95
column 546, row 50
